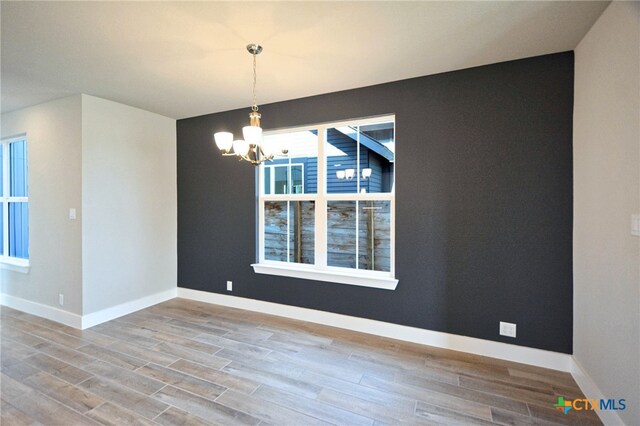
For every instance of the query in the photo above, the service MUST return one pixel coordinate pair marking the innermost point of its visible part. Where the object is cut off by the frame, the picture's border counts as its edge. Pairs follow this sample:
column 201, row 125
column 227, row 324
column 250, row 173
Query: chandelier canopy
column 252, row 148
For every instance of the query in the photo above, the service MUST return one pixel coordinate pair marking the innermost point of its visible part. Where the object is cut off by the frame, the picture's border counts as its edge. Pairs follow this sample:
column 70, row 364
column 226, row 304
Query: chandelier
column 252, row 148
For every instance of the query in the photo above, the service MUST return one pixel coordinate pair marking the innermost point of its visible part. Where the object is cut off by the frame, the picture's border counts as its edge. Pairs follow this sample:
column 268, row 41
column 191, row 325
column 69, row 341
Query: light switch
column 635, row 225
column 72, row 214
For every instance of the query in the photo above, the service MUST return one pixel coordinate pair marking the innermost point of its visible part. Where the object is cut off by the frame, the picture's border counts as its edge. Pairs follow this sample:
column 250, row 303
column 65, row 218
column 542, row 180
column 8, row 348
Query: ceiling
column 183, row 59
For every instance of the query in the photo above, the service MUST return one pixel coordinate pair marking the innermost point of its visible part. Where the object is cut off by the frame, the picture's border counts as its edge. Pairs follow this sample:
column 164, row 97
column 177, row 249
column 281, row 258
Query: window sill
column 362, row 278
column 15, row 265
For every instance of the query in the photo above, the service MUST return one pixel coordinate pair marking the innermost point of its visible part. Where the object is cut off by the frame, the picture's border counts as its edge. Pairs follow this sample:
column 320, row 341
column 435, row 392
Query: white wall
column 606, row 194
column 129, row 203
column 55, row 178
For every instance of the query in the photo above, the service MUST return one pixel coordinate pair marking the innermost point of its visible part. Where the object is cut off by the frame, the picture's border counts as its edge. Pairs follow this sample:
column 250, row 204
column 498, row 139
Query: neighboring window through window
column 330, row 203
column 277, row 179
column 14, row 199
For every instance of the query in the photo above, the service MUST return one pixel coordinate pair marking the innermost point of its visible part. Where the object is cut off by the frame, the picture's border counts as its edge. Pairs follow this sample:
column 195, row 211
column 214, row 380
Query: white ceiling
column 183, row 59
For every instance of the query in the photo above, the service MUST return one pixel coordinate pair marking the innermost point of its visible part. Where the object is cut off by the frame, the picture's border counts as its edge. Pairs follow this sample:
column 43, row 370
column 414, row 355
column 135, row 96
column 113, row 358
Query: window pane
column 297, row 184
column 300, row 176
column 341, row 233
column 289, row 231
column 267, row 180
column 1, row 172
column 302, row 231
column 275, row 230
column 374, row 235
column 18, row 169
column 19, row 230
column 377, row 157
column 341, row 150
column 1, row 229
column 280, row 181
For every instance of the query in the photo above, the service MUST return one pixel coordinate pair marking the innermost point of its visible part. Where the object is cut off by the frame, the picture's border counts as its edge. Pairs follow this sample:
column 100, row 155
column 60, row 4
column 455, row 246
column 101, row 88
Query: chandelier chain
column 254, row 107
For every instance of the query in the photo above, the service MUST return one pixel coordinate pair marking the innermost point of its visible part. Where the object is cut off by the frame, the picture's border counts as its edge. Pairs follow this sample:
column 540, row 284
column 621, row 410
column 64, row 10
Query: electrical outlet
column 72, row 214
column 507, row 329
column 61, row 299
column 229, row 286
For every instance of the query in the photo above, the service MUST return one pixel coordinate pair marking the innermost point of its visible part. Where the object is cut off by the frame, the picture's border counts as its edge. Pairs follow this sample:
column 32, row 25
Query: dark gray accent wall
column 483, row 203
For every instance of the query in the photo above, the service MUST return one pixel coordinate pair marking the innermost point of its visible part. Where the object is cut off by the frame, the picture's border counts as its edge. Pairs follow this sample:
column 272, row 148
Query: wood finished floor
column 190, row 363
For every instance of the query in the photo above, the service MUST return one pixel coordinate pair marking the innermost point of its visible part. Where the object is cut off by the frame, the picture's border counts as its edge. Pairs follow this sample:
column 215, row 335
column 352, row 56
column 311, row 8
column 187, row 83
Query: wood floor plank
column 469, row 368
column 113, row 357
column 218, row 377
column 113, row 415
column 19, row 371
column 48, row 334
column 459, row 405
column 67, row 355
column 11, row 388
column 340, row 369
column 417, row 377
column 445, row 416
column 519, row 392
column 243, row 349
column 165, row 327
column 276, row 380
column 273, row 365
column 11, row 416
column 380, row 413
column 48, row 411
column 543, row 375
column 376, row 396
column 425, row 395
column 121, row 395
column 204, row 408
column 447, row 389
column 266, row 411
column 203, row 328
column 182, row 352
column 183, row 381
column 58, row 368
column 503, row 417
column 63, row 392
column 144, row 315
column 12, row 334
column 131, row 379
column 188, row 343
column 86, row 335
column 122, row 332
column 177, row 417
column 252, row 336
column 230, row 324
column 311, row 407
column 135, row 351
column 14, row 352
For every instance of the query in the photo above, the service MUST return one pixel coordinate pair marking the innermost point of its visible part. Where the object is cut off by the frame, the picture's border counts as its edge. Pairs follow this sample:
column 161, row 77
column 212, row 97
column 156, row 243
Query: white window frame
column 320, row 271
column 6, row 261
column 272, row 175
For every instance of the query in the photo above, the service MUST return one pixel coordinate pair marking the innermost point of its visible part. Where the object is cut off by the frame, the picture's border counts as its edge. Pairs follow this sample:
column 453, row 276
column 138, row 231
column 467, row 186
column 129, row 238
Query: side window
column 14, row 199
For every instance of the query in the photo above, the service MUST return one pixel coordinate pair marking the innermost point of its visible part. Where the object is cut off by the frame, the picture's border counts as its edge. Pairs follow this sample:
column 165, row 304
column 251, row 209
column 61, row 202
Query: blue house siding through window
column 381, row 167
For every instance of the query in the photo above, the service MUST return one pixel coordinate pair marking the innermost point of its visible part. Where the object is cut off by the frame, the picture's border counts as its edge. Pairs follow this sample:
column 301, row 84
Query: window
column 14, row 202
column 276, row 178
column 326, row 210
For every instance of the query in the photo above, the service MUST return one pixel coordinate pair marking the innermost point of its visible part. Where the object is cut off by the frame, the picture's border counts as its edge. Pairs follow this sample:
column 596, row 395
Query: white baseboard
column 537, row 357
column 40, row 310
column 591, row 391
column 117, row 311
column 85, row 321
